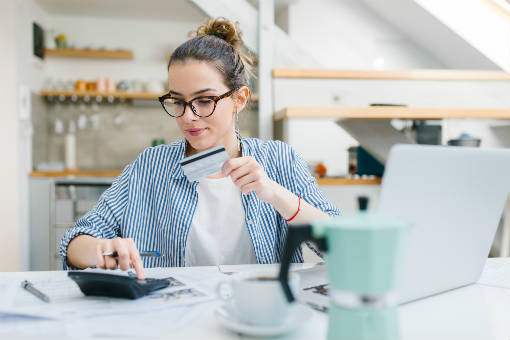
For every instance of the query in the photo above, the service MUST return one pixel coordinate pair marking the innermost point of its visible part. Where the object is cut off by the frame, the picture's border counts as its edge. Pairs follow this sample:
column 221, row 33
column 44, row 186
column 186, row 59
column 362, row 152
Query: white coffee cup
column 257, row 296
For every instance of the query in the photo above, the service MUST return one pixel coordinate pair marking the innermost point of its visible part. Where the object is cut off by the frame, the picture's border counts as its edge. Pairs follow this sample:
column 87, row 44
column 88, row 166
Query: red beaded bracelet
column 299, row 205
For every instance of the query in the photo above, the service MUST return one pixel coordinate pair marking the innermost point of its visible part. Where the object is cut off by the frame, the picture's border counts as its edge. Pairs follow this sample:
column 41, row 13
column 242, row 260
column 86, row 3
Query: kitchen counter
column 115, row 173
column 77, row 173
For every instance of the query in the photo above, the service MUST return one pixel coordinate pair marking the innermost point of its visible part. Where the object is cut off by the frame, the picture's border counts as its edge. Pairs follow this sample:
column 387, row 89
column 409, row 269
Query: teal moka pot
column 364, row 255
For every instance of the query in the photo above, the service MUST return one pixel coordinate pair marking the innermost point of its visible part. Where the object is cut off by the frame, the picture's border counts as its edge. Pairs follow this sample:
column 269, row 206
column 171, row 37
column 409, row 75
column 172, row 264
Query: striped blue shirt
column 153, row 203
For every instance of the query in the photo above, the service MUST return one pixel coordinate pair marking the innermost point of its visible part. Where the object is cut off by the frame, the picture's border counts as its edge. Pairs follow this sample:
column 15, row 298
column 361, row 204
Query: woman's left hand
column 249, row 176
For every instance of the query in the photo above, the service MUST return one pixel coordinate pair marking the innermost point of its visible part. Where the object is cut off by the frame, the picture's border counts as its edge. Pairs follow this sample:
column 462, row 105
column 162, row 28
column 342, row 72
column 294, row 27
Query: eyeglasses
column 200, row 106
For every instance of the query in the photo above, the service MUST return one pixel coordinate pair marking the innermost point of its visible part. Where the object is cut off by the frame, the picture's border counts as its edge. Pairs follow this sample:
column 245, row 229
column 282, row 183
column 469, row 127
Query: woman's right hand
column 128, row 255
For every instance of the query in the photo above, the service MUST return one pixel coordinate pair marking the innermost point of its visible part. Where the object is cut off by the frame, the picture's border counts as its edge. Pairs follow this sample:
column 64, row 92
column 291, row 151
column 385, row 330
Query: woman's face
column 191, row 79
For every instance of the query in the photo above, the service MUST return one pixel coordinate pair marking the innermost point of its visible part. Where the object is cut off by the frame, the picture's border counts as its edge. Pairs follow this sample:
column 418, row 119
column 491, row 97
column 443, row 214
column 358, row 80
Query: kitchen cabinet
column 55, row 205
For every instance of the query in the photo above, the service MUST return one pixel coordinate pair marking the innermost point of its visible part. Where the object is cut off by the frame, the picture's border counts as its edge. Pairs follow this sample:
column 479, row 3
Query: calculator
column 128, row 287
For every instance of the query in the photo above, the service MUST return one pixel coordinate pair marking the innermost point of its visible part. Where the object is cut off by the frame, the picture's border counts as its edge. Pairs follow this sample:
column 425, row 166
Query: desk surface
column 477, row 311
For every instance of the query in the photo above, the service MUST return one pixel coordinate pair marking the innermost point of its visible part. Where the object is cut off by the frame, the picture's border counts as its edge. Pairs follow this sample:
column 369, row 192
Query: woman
column 237, row 216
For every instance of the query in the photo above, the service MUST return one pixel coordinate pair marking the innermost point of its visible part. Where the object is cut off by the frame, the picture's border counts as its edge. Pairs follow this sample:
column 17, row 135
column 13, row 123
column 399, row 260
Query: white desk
column 478, row 311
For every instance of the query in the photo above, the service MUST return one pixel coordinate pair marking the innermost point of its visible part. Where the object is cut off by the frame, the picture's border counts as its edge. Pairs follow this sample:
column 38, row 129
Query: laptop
column 454, row 196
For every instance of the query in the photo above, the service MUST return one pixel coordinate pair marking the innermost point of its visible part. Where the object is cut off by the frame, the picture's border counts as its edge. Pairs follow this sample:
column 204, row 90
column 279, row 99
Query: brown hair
column 219, row 41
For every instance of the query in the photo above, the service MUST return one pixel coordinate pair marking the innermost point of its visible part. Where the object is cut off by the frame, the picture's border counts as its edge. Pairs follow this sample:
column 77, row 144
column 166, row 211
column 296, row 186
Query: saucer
column 298, row 314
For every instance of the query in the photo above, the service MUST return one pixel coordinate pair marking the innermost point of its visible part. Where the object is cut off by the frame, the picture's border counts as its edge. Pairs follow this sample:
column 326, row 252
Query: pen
column 150, row 253
column 29, row 287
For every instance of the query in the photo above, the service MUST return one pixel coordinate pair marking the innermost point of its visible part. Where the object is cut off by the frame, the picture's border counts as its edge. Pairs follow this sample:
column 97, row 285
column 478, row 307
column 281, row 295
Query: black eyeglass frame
column 215, row 99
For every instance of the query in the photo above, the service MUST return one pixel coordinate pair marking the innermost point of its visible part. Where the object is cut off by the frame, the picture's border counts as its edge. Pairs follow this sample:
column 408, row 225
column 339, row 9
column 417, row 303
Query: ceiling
column 175, row 10
column 431, row 34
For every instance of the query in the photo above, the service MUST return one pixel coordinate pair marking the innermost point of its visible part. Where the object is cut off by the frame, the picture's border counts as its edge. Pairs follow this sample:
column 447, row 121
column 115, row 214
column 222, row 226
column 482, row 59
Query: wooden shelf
column 77, row 173
column 94, row 54
column 453, row 75
column 348, row 181
column 125, row 95
column 390, row 112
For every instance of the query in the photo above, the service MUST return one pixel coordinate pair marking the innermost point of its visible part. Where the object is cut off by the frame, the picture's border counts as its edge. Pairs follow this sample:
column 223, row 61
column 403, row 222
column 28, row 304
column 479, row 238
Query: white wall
column 478, row 22
column 9, row 171
column 346, row 34
column 29, row 68
column 29, row 71
column 431, row 34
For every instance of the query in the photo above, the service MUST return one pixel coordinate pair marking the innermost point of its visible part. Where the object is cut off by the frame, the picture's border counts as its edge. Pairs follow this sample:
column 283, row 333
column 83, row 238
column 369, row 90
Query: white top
column 218, row 233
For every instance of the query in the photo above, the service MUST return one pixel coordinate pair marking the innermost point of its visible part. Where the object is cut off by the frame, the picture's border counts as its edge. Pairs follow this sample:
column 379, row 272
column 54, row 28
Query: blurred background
column 339, row 80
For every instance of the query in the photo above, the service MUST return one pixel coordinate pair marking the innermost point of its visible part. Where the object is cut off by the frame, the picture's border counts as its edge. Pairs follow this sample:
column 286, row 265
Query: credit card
column 205, row 163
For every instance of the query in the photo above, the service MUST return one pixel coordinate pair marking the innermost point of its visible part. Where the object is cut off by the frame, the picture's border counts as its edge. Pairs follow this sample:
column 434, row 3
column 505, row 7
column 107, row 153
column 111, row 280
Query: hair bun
column 223, row 29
